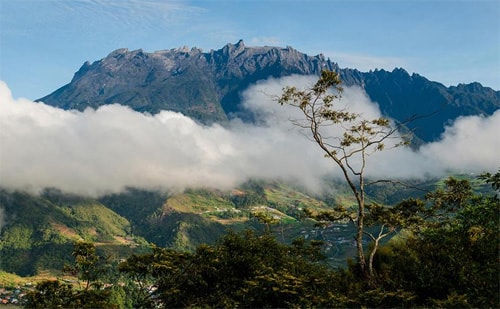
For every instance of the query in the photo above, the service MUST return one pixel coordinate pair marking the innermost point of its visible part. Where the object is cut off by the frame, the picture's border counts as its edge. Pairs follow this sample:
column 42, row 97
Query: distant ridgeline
column 207, row 85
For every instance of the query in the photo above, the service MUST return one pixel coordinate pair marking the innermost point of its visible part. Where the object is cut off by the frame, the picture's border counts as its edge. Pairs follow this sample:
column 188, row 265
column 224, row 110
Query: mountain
column 402, row 96
column 207, row 85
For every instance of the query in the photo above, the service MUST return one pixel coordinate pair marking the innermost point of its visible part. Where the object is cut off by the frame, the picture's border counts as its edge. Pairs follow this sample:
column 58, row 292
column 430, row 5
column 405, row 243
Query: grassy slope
column 39, row 231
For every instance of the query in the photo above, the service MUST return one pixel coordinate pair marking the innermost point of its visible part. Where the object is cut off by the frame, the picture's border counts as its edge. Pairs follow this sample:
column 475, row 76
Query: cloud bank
column 105, row 150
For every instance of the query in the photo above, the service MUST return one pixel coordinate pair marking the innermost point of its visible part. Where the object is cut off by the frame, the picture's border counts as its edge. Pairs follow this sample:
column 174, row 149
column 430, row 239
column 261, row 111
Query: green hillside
column 446, row 255
column 195, row 216
column 39, row 231
column 185, row 220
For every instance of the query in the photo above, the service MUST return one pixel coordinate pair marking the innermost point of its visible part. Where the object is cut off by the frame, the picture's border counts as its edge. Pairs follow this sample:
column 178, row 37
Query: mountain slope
column 205, row 86
column 403, row 96
column 38, row 232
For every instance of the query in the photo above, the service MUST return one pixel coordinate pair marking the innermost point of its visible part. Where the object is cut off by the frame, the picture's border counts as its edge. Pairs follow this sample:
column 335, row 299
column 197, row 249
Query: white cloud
column 471, row 144
column 104, row 150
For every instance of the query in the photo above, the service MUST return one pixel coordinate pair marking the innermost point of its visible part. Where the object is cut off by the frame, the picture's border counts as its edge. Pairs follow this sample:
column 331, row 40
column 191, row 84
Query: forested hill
column 38, row 231
column 207, row 85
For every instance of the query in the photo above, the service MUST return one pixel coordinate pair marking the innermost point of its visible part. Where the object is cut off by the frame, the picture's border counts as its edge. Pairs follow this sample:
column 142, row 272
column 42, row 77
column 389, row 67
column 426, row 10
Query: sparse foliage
column 348, row 139
column 88, row 267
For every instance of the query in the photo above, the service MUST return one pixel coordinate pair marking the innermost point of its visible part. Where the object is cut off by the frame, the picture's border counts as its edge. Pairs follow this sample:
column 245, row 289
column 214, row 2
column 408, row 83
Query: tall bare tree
column 348, row 139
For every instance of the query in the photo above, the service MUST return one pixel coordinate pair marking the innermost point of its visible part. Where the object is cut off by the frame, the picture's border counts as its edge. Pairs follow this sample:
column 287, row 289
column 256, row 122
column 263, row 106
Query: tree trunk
column 359, row 238
column 370, row 260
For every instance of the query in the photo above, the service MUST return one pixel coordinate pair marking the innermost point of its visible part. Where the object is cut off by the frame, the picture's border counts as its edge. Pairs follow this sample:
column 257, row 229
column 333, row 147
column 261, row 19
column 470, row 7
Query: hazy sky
column 43, row 42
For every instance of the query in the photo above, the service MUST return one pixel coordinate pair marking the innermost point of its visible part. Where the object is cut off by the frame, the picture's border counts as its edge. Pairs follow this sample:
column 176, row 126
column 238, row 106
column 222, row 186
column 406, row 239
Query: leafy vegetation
column 91, row 269
column 446, row 261
column 453, row 261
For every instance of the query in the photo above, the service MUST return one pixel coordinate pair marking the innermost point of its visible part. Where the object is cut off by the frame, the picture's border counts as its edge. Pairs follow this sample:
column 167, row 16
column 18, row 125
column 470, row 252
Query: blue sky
column 43, row 42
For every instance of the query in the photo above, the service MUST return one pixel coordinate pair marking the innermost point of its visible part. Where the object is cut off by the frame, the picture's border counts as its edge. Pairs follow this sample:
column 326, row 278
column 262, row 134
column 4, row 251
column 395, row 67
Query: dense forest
column 449, row 259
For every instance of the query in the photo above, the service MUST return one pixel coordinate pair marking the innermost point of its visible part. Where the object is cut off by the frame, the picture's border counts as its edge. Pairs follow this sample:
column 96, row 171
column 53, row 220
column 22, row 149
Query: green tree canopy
column 452, row 260
column 241, row 270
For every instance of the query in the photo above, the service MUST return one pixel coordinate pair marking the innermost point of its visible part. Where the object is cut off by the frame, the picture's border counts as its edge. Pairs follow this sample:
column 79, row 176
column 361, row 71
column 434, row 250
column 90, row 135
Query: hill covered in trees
column 38, row 231
column 450, row 259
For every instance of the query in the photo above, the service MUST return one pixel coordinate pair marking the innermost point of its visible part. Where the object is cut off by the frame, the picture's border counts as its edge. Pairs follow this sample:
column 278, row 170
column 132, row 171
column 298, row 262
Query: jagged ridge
column 207, row 85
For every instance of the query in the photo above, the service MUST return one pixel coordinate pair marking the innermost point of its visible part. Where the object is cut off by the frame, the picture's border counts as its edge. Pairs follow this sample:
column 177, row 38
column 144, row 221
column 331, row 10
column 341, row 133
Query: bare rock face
column 207, row 85
column 150, row 82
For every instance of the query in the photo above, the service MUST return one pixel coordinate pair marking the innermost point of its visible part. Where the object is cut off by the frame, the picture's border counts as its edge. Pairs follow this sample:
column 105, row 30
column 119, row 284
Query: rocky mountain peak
column 207, row 86
column 234, row 50
column 117, row 52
